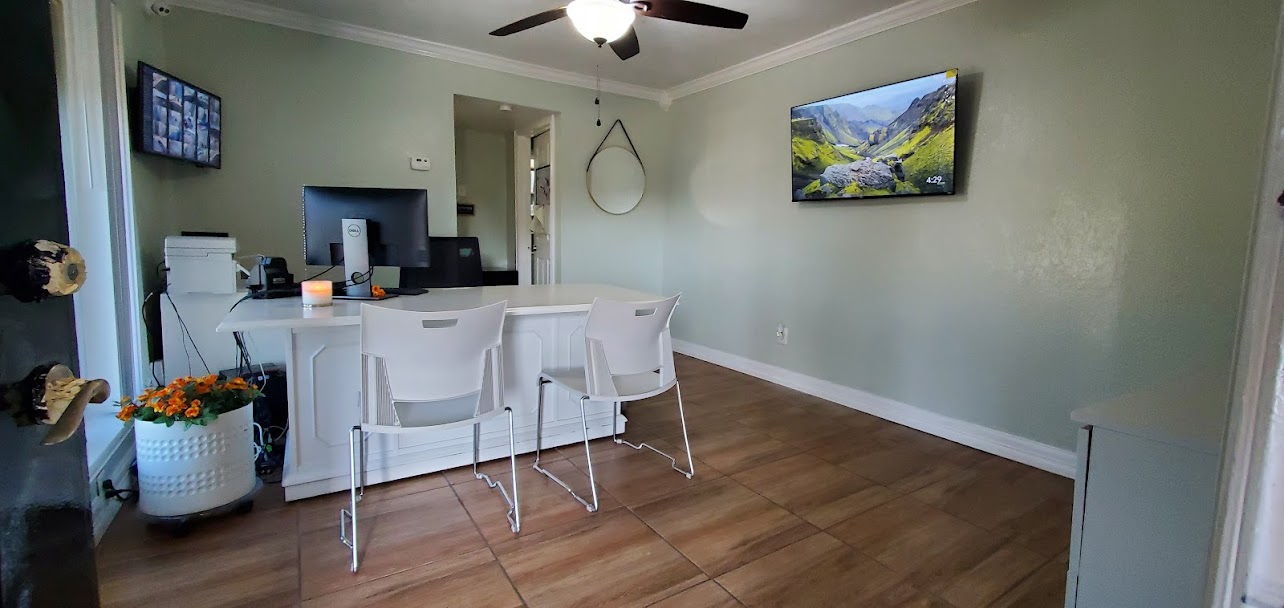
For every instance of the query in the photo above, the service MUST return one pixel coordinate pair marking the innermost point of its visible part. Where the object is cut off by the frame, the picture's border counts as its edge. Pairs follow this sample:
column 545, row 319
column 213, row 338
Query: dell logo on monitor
column 354, row 230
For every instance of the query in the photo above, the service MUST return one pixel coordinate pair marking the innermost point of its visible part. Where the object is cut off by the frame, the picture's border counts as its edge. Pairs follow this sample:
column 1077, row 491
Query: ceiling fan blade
column 627, row 45
column 530, row 22
column 692, row 12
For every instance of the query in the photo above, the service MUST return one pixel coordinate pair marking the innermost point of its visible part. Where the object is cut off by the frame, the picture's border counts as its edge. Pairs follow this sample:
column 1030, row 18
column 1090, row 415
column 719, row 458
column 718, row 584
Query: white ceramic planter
column 181, row 472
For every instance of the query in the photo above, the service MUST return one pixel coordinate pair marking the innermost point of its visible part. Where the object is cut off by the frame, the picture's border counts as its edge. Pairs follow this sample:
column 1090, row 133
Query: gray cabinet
column 1146, row 498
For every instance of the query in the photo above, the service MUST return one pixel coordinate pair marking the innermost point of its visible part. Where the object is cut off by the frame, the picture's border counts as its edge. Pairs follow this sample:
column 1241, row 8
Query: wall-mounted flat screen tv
column 178, row 120
column 896, row 140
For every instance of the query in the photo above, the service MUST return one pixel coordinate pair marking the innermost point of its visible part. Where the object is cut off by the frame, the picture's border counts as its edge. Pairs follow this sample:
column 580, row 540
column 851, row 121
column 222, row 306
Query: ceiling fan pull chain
column 597, row 100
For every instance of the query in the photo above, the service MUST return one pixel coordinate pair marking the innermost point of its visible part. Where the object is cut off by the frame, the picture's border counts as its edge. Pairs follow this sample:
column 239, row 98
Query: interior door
column 541, row 262
column 46, row 527
column 541, row 270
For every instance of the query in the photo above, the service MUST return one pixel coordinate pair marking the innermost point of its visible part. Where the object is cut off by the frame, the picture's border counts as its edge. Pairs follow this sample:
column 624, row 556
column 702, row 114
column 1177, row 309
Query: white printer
column 201, row 264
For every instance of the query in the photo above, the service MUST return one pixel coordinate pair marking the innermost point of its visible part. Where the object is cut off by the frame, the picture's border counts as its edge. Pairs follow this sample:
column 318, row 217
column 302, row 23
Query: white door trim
column 554, row 202
column 128, row 258
column 93, row 119
column 99, row 214
column 522, row 206
column 1257, row 366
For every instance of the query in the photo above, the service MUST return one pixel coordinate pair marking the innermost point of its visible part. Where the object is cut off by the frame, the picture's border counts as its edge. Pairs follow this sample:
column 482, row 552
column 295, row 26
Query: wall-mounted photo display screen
column 178, row 120
column 895, row 140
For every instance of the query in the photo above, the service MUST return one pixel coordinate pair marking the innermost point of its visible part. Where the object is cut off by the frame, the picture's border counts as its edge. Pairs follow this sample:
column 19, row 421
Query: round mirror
column 616, row 180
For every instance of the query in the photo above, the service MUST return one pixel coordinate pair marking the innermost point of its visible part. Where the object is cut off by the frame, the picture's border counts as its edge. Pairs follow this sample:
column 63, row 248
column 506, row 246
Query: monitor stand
column 358, row 274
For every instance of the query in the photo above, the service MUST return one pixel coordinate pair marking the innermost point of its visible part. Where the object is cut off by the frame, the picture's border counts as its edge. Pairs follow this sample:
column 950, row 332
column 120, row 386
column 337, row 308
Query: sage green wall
column 303, row 109
column 1109, row 159
column 157, row 215
column 1109, row 153
column 484, row 174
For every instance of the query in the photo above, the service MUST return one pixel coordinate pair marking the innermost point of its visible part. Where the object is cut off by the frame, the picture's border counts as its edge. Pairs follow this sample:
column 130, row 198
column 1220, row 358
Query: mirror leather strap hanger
column 618, row 123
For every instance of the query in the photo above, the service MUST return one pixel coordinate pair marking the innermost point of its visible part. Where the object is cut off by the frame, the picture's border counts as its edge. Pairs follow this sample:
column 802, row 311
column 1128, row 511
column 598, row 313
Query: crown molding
column 881, row 21
column 251, row 11
column 896, row 16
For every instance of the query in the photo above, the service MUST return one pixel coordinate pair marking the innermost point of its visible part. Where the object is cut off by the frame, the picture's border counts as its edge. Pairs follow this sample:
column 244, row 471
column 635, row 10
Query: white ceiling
column 486, row 115
column 672, row 53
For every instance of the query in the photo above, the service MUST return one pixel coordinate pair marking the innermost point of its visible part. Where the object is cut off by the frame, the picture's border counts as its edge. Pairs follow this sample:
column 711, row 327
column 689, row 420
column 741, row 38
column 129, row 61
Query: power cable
column 188, row 334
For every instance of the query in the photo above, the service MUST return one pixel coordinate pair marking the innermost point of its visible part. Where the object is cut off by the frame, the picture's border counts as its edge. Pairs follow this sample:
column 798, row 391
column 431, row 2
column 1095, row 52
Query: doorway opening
column 504, row 188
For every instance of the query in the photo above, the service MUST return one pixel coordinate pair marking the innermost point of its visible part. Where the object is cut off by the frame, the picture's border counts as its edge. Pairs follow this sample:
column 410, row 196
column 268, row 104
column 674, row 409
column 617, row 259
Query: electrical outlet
column 782, row 333
column 420, row 163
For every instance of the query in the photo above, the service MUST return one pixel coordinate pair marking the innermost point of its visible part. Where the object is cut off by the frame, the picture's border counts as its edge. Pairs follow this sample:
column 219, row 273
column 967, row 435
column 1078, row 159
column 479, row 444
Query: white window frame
column 93, row 122
column 1257, row 370
column 100, row 217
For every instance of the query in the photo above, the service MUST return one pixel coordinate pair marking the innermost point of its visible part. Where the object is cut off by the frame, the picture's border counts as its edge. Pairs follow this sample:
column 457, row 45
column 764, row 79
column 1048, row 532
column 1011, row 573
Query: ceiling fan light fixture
column 601, row 21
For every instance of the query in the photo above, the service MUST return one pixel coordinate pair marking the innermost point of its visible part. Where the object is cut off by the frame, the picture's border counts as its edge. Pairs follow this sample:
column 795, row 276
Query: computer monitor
column 456, row 263
column 396, row 225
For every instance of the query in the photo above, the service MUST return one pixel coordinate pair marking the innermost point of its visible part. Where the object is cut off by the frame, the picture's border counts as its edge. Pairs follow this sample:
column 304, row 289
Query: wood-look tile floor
column 796, row 502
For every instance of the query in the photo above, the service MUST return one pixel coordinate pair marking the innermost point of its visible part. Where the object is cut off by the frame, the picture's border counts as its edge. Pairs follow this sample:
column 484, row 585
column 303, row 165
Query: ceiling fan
column 611, row 21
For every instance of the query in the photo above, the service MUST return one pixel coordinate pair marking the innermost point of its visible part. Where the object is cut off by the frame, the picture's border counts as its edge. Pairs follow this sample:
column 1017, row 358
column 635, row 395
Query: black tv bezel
column 954, row 155
column 142, row 95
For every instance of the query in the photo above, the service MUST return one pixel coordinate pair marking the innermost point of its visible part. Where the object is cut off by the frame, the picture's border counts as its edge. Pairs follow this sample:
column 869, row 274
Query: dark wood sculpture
column 52, row 395
column 34, row 270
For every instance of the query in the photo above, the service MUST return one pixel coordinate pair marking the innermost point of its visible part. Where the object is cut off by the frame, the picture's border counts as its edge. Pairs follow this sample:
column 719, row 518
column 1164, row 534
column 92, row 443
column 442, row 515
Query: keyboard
column 405, row 291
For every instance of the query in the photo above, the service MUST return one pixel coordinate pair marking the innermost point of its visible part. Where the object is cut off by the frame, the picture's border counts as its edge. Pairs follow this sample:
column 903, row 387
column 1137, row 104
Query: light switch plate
column 420, row 163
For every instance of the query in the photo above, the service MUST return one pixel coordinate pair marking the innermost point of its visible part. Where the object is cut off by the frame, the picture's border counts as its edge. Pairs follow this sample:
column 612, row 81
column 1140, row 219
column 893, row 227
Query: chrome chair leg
column 615, row 421
column 690, row 470
column 476, row 448
column 350, row 514
column 592, row 507
column 587, row 456
column 516, row 522
column 514, row 514
column 360, row 447
column 363, row 455
column 539, row 421
column 686, row 442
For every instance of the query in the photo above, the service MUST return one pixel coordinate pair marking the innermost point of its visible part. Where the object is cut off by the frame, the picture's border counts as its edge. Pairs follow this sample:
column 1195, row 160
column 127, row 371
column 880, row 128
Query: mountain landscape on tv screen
column 891, row 141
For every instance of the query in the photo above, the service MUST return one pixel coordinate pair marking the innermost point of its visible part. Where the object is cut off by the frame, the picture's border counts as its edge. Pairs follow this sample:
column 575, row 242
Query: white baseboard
column 1023, row 450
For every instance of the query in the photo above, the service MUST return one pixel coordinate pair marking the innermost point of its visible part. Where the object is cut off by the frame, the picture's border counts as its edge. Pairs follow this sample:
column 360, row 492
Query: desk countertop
column 288, row 313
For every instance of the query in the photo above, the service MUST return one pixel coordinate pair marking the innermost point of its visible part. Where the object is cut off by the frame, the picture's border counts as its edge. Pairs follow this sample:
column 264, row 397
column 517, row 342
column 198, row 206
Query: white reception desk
column 544, row 328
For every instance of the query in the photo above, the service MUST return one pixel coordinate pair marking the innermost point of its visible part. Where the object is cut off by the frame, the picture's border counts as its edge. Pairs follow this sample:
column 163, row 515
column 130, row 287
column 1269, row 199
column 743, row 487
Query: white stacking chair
column 428, row 370
column 628, row 356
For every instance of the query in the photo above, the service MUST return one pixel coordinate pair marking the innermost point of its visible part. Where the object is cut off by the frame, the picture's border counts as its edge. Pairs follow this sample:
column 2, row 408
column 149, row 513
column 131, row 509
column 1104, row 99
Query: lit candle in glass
column 317, row 293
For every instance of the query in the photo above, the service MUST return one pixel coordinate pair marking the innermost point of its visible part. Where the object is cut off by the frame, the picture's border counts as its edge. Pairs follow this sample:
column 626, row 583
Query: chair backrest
column 625, row 339
column 430, row 356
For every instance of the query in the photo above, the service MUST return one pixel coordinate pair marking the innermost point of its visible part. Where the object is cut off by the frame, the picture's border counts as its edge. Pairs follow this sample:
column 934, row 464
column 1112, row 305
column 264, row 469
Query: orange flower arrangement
column 126, row 412
column 189, row 400
column 377, row 291
column 206, row 384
